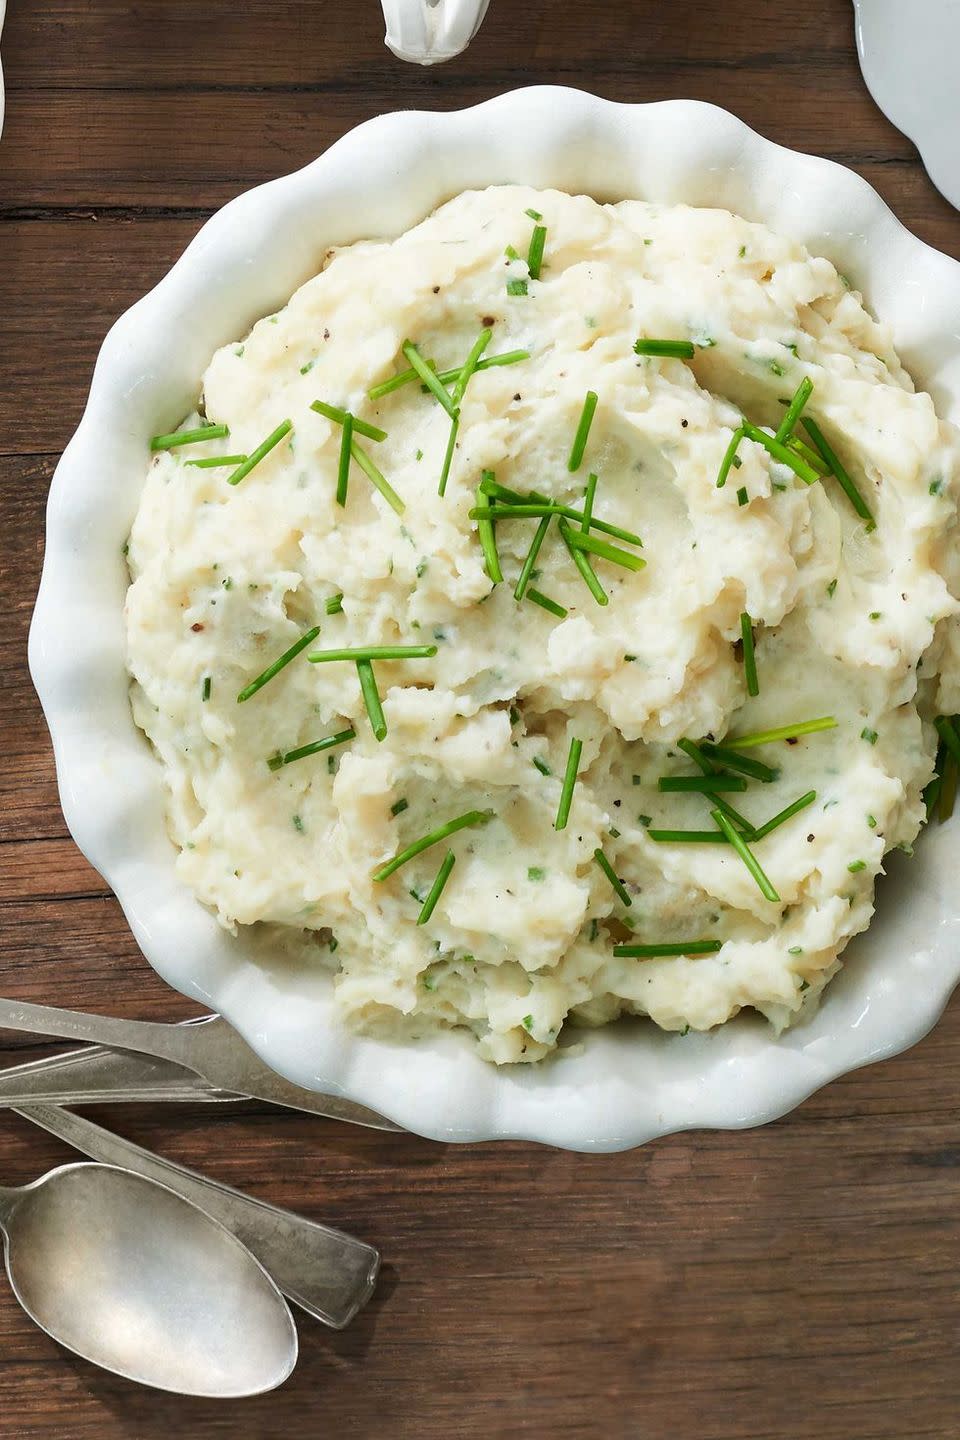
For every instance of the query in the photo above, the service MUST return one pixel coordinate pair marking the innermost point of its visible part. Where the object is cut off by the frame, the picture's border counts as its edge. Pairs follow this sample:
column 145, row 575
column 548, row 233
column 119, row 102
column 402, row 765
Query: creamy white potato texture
column 851, row 620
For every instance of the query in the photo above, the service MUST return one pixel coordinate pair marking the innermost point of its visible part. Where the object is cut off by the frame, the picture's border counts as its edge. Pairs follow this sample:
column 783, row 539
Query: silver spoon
column 327, row 1273
column 210, row 1048
column 127, row 1274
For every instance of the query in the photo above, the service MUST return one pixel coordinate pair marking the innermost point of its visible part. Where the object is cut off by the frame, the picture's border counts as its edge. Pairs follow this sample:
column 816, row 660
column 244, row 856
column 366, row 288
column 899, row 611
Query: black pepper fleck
column 326, row 334
column 518, row 397
column 488, row 321
column 684, row 423
column 810, row 838
column 436, row 289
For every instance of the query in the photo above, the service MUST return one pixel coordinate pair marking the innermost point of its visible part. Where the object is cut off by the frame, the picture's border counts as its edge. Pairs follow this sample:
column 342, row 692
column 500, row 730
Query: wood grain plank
column 126, row 158
column 63, row 42
column 47, row 870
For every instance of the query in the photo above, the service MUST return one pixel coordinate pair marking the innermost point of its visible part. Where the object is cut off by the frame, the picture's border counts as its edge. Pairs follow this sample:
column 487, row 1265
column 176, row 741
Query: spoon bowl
column 128, row 1274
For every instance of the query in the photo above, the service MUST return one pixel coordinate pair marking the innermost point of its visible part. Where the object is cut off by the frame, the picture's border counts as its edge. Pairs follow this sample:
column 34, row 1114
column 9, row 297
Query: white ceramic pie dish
column 629, row 1082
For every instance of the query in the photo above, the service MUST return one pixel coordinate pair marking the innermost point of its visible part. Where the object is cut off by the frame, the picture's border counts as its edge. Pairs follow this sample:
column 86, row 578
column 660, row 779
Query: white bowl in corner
column 908, row 55
column 630, row 1082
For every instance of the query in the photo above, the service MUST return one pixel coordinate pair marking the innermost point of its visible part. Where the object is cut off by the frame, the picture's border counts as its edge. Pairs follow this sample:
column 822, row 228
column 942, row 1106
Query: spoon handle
column 95, row 1075
column 327, row 1273
column 149, row 1037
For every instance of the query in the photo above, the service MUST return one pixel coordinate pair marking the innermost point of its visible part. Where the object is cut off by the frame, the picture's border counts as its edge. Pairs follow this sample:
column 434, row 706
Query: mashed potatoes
column 851, row 622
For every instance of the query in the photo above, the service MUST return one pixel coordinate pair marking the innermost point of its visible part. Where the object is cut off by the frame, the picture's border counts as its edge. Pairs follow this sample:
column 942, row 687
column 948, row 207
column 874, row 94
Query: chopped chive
column 469, row 820
column 583, row 430
column 189, row 437
column 681, row 947
column 948, row 789
column 780, row 453
column 261, row 451
column 588, row 498
column 534, row 214
column 783, row 815
column 689, row 837
column 678, row 349
column 745, row 853
column 511, row 253
column 856, row 866
column 379, row 480
column 446, row 377
column 783, row 732
column 792, row 415
column 399, row 806
column 805, row 453
column 569, row 781
column 429, row 377
column 749, row 657
column 470, row 364
column 869, row 735
column 207, row 686
column 702, row 784
column 334, row 605
column 742, row 496
column 339, row 417
column 211, row 462
column 528, row 564
column 831, row 588
column 542, row 765
column 531, row 511
column 728, row 759
column 839, row 473
column 587, row 572
column 582, row 540
column 490, row 362
column 536, row 872
column 535, row 253
column 534, row 510
column 448, row 455
column 741, row 821
column 443, row 875
column 931, row 795
column 375, row 652
column 612, row 876
column 697, row 755
column 314, row 748
column 517, row 287
column 512, row 497
column 371, row 699
column 278, row 665
column 546, row 603
column 487, row 534
column 343, row 469
column 948, row 734
column 729, row 456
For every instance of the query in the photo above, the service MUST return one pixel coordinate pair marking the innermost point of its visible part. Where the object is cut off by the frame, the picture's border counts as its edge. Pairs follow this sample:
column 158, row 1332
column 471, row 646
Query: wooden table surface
column 790, row 1282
